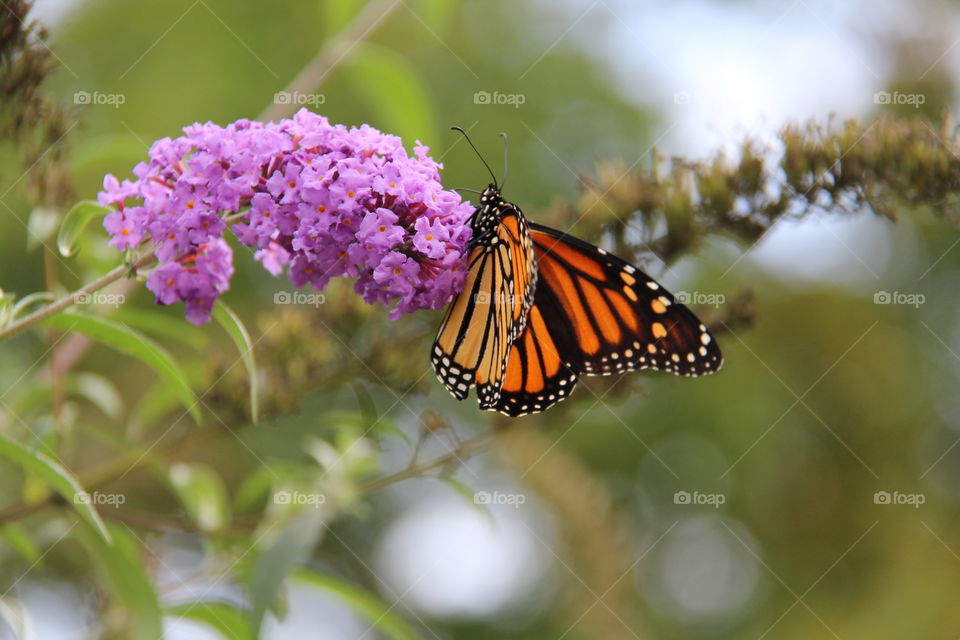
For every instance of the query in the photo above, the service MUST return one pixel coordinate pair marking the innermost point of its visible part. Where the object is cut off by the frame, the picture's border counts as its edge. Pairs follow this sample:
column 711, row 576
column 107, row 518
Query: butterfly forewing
column 622, row 319
column 483, row 320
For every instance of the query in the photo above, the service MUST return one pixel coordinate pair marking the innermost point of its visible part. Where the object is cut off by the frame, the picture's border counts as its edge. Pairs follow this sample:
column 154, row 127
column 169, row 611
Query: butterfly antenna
column 503, row 180
column 479, row 193
column 475, row 150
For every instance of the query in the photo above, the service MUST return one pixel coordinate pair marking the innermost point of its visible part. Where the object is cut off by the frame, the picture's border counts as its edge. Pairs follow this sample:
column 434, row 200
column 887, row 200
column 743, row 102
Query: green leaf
column 202, row 493
column 228, row 620
column 57, row 478
column 161, row 324
column 368, row 408
column 393, row 89
column 367, row 605
column 128, row 341
column 99, row 391
column 278, row 558
column 18, row 538
column 158, row 401
column 41, row 225
column 6, row 305
column 254, row 491
column 127, row 581
column 74, row 223
column 241, row 337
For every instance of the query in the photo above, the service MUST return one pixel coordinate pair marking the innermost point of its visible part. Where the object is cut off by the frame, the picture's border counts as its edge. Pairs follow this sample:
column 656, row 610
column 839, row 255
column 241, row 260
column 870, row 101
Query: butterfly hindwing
column 544, row 361
column 622, row 319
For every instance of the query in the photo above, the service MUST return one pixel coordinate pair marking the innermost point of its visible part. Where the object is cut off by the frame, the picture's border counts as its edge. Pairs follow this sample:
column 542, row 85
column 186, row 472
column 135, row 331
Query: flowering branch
column 321, row 200
column 885, row 164
column 117, row 273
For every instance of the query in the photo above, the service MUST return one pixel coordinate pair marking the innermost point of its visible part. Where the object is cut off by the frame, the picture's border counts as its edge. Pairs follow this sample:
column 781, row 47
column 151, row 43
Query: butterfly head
column 490, row 197
column 489, row 211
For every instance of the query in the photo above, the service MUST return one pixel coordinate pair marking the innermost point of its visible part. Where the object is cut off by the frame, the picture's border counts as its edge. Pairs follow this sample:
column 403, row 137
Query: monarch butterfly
column 541, row 308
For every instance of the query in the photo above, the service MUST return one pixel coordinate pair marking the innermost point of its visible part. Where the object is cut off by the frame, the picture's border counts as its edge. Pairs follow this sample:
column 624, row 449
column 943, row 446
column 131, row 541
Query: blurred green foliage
column 826, row 397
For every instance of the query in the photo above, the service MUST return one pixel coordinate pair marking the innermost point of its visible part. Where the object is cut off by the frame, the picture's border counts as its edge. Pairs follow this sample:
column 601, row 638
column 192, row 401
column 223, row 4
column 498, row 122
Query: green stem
column 110, row 277
column 114, row 468
column 57, row 306
column 416, row 470
column 129, row 461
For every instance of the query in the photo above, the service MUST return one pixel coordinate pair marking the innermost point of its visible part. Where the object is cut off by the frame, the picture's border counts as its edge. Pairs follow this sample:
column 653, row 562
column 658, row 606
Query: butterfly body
column 571, row 309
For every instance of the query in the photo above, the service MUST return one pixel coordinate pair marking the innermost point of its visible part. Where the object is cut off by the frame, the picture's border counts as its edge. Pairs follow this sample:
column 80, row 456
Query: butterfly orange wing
column 596, row 314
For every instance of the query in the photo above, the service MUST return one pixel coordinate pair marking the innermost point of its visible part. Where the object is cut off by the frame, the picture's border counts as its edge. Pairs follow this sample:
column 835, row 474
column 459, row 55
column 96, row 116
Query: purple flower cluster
column 315, row 199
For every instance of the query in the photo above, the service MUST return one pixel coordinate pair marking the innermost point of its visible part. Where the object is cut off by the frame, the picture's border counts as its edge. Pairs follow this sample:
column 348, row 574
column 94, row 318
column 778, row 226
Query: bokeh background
column 808, row 490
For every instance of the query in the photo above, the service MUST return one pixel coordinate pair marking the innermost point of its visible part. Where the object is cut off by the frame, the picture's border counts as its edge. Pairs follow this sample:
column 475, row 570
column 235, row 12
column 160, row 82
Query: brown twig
column 333, row 54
